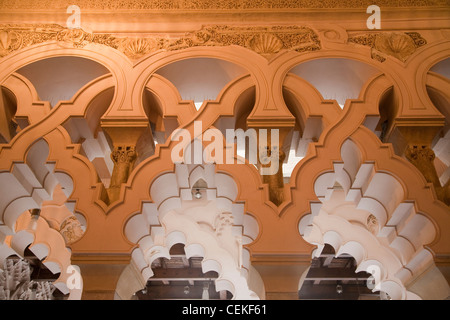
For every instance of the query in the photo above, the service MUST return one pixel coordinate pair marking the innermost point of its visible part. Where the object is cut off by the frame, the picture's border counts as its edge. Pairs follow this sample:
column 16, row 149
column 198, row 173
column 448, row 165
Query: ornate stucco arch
column 113, row 60
column 257, row 66
column 32, row 186
column 437, row 88
column 387, row 236
column 372, row 93
column 201, row 225
column 435, row 53
column 39, row 170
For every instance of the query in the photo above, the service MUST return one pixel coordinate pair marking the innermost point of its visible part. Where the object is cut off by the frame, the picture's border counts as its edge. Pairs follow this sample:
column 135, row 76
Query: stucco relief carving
column 398, row 45
column 214, row 4
column 265, row 40
column 71, row 230
column 372, row 224
column 8, row 41
column 422, row 157
column 124, row 154
column 415, row 153
column 13, row 38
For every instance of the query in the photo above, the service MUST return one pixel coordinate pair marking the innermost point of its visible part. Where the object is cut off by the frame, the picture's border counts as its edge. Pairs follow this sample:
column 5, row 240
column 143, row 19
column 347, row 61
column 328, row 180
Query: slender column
column 269, row 149
column 123, row 158
column 7, row 122
column 124, row 136
column 442, row 262
column 276, row 181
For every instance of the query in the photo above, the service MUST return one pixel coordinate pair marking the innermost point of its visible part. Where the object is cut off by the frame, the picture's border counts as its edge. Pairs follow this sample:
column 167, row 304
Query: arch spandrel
column 435, row 53
column 26, row 95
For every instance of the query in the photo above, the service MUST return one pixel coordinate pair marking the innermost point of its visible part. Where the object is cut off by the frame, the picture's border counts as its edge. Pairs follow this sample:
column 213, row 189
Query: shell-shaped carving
column 400, row 42
column 265, row 43
column 398, row 45
column 136, row 48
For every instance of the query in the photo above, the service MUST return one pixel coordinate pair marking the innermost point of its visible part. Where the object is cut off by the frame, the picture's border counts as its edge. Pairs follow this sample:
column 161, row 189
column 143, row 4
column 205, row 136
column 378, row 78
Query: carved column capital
column 124, row 154
column 422, row 157
column 123, row 158
column 419, row 153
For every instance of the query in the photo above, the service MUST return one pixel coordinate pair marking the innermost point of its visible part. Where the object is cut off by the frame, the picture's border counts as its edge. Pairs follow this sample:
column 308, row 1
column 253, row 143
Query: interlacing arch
column 366, row 207
column 350, row 190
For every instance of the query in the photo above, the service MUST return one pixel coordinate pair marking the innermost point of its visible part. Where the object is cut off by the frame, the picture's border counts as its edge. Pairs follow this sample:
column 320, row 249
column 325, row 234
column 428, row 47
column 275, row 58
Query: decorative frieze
column 214, row 4
column 265, row 40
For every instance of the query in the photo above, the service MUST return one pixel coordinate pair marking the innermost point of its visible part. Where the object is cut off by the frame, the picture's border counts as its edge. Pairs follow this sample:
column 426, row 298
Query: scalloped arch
column 374, row 192
column 191, row 225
